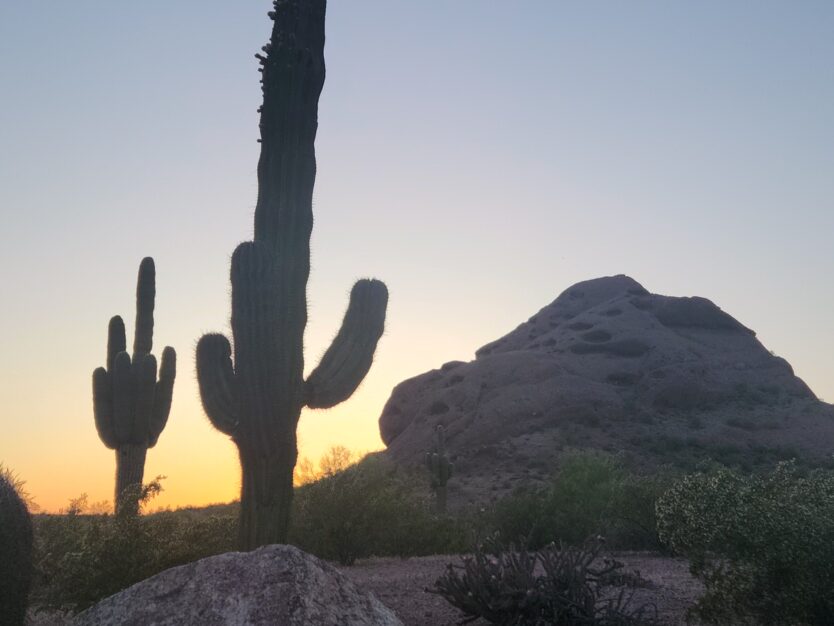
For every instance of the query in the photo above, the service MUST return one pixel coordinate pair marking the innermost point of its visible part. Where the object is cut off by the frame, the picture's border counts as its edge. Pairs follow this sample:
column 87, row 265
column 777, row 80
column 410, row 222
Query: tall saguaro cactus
column 258, row 398
column 440, row 468
column 131, row 406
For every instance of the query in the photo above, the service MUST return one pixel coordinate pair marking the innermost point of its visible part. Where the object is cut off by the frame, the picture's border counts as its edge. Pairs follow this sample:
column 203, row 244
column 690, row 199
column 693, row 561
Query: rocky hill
column 610, row 366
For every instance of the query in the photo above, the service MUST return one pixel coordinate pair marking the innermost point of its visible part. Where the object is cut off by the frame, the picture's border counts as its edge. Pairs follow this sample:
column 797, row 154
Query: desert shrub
column 15, row 549
column 335, row 460
column 763, row 545
column 370, row 508
column 82, row 558
column 570, row 586
column 593, row 494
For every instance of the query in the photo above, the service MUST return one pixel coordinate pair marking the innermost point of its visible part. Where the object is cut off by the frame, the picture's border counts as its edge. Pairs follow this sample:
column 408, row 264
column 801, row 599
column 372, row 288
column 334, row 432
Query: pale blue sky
column 479, row 156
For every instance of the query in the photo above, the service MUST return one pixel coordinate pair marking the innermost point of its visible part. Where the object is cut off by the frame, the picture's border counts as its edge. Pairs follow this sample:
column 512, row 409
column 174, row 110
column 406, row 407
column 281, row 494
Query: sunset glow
column 476, row 159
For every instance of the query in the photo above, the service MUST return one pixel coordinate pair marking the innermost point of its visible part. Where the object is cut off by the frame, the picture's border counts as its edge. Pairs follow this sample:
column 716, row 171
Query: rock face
column 609, row 365
column 273, row 585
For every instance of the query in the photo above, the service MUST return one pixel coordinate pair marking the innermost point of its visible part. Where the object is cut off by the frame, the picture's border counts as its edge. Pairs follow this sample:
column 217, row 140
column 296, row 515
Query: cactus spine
column 15, row 553
column 440, row 468
column 258, row 398
column 130, row 405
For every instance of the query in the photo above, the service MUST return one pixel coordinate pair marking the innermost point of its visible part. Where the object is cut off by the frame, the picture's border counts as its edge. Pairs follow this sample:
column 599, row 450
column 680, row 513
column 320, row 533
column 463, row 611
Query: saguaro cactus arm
column 145, row 298
column 122, row 381
column 103, row 407
column 216, row 378
column 163, row 394
column 351, row 354
column 116, row 341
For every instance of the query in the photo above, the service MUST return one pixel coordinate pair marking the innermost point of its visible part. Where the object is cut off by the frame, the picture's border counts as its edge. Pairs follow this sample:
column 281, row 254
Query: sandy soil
column 401, row 585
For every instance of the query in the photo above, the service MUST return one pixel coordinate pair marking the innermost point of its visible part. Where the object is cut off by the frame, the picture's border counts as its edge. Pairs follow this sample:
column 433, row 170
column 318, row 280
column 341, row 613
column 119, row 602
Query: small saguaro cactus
column 130, row 405
column 440, row 468
column 15, row 552
column 257, row 400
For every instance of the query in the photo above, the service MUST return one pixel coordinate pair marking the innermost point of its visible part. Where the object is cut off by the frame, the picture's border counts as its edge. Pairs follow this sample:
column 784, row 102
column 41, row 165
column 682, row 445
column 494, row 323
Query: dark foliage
column 15, row 551
column 370, row 508
column 83, row 558
column 566, row 586
column 593, row 494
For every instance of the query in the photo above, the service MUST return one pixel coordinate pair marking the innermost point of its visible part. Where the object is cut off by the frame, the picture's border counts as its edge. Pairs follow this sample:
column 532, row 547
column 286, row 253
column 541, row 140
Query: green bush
column 368, row 509
column 82, row 558
column 593, row 494
column 763, row 545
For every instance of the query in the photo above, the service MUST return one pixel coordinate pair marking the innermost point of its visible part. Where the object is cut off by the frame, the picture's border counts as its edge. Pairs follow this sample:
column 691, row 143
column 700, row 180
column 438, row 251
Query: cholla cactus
column 440, row 468
column 130, row 405
column 15, row 552
column 257, row 399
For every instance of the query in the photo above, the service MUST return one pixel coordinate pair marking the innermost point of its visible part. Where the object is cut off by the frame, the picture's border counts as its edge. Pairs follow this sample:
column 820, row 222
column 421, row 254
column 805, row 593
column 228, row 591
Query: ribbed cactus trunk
column 258, row 398
column 130, row 472
column 266, row 493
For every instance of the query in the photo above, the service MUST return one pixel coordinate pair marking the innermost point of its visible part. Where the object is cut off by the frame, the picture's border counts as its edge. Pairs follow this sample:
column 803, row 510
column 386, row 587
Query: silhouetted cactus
column 130, row 405
column 440, row 468
column 15, row 553
column 258, row 399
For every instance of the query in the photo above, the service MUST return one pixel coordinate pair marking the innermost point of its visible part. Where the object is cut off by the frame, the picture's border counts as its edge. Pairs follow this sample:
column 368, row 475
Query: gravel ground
column 400, row 584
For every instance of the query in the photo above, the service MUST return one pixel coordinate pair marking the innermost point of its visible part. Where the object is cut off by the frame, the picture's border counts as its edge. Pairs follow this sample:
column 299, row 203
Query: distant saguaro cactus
column 15, row 553
column 440, row 468
column 257, row 400
column 130, row 405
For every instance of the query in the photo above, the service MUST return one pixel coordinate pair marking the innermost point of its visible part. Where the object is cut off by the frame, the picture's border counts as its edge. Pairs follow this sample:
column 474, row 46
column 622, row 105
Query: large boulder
column 272, row 585
column 609, row 366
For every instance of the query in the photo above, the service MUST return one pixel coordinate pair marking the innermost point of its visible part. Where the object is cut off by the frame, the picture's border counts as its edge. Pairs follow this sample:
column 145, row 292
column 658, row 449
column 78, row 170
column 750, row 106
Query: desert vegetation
column 593, row 494
column 15, row 549
column 575, row 585
column 86, row 553
column 761, row 544
column 758, row 531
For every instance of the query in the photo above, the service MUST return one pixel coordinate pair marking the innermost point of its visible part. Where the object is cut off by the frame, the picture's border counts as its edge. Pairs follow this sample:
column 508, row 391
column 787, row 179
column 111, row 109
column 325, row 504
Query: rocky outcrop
column 609, row 365
column 273, row 585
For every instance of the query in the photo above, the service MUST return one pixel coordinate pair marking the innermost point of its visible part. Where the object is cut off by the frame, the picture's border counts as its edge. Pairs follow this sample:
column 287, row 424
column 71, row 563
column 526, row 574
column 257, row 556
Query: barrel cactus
column 440, row 468
column 15, row 552
column 257, row 398
column 130, row 404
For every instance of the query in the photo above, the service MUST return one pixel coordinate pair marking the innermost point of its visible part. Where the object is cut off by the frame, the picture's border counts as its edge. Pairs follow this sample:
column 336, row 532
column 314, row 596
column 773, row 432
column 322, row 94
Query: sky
column 478, row 156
